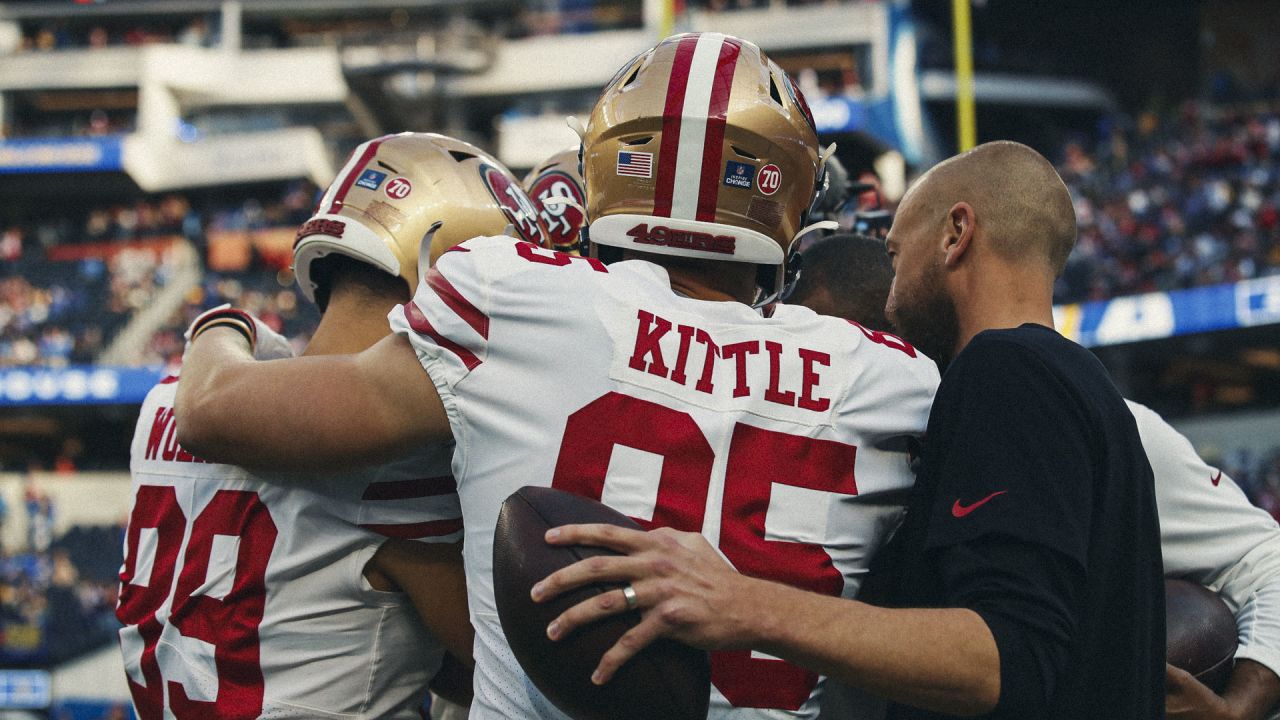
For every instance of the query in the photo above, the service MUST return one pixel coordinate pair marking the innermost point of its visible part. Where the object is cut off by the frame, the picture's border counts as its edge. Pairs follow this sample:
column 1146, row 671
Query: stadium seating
column 1191, row 198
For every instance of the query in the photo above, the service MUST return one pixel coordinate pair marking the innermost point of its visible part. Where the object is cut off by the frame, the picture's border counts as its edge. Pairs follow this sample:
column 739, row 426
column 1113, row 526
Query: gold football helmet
column 701, row 147
column 398, row 192
column 555, row 187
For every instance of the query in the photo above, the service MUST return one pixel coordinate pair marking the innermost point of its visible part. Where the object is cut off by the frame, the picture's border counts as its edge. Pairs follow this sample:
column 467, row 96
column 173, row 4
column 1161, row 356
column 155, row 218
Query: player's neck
column 349, row 327
column 713, row 280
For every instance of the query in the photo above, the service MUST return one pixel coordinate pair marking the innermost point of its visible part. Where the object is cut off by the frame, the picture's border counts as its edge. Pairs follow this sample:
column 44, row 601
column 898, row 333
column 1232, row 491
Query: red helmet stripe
column 672, row 115
column 713, row 146
column 352, row 172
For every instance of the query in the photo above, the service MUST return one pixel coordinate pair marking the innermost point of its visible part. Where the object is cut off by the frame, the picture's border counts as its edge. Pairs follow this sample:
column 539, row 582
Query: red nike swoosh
column 1216, row 479
column 960, row 511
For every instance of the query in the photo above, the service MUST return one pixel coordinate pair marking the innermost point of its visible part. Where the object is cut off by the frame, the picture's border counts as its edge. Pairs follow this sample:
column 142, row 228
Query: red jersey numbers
column 542, row 256
column 757, row 461
column 217, row 602
column 886, row 339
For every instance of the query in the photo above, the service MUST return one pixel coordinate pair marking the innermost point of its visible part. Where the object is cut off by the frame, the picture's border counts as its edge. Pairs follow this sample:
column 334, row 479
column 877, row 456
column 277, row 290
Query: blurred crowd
column 60, row 313
column 1168, row 202
column 55, row 312
column 59, row 35
column 57, row 596
column 271, row 296
column 536, row 17
column 1258, row 474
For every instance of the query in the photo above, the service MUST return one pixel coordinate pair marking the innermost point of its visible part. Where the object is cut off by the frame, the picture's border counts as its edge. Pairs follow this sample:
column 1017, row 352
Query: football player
column 783, row 439
column 555, row 187
column 246, row 596
column 1209, row 532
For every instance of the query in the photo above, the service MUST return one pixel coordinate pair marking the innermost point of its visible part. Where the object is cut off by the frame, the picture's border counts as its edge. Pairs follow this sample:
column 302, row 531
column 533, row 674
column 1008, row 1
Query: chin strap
column 424, row 252
column 811, row 227
column 576, row 125
column 789, row 271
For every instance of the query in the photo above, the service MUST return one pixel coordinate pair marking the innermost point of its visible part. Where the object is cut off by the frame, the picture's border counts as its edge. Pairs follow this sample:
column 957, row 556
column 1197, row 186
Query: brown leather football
column 1200, row 633
column 666, row 680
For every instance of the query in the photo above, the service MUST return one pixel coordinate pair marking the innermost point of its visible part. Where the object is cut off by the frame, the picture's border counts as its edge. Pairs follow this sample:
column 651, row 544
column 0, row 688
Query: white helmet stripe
column 693, row 126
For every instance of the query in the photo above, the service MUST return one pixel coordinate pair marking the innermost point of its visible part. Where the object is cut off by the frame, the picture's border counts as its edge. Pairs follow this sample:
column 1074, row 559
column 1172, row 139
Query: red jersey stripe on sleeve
column 418, row 321
column 457, row 303
column 417, row 531
column 672, row 115
column 408, row 489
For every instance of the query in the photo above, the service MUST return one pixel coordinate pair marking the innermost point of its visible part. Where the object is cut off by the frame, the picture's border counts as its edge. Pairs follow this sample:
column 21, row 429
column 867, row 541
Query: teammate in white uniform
column 1211, row 534
column 248, row 596
column 783, row 439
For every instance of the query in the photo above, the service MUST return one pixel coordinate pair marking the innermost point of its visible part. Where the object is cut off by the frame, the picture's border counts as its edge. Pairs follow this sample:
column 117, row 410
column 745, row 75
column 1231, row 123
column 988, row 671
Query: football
column 666, row 680
column 1200, row 632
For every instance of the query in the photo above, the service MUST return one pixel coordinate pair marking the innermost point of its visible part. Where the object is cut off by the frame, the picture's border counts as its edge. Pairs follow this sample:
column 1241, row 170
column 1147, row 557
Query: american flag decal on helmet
column 689, row 160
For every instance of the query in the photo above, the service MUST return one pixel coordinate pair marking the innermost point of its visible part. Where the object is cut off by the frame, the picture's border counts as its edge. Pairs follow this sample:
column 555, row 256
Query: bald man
column 1035, row 507
column 1030, row 571
column 1209, row 532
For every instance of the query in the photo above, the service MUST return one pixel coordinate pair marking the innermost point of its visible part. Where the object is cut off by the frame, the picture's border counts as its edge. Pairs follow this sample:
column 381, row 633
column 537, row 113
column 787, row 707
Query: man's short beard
column 927, row 320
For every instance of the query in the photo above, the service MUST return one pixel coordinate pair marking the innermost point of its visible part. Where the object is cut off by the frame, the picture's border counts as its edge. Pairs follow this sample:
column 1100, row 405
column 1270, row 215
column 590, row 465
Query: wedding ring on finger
column 629, row 594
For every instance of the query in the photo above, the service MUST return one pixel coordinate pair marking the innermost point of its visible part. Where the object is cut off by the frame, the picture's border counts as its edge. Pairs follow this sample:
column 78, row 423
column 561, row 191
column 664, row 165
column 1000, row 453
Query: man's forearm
column 309, row 413
column 945, row 660
column 1253, row 691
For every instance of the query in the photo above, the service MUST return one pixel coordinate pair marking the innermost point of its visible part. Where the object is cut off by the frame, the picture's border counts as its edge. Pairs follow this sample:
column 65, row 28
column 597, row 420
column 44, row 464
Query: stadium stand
column 68, row 288
column 1190, row 198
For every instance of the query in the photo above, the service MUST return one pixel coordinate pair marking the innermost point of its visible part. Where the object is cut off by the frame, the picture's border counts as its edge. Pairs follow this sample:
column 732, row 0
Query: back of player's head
column 846, row 276
column 703, row 148
column 402, row 200
column 555, row 187
column 1019, row 200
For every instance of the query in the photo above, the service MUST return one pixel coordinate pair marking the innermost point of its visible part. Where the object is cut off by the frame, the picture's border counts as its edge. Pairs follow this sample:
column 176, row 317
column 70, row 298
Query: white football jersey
column 247, row 599
column 1211, row 534
column 782, row 439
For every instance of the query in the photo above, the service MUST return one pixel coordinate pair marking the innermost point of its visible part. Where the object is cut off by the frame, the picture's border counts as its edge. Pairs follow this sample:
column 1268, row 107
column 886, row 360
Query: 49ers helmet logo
column 562, row 221
column 519, row 210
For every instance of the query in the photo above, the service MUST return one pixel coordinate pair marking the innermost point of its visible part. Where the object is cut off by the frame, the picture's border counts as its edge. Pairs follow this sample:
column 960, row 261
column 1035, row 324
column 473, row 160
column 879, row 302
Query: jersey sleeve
column 447, row 321
column 1211, row 534
column 892, row 390
column 1010, row 452
column 422, row 506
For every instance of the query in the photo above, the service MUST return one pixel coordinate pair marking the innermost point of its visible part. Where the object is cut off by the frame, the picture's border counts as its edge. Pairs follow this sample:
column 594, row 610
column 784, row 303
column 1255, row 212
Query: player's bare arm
column 1251, row 694
column 311, row 413
column 944, row 659
column 431, row 574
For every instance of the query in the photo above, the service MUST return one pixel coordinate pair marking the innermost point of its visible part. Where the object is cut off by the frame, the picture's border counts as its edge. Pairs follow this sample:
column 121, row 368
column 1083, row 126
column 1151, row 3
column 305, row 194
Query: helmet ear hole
column 631, row 78
column 774, row 91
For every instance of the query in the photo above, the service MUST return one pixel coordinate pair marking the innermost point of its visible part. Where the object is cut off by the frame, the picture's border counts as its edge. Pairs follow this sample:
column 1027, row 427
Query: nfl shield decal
column 739, row 174
column 371, row 179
